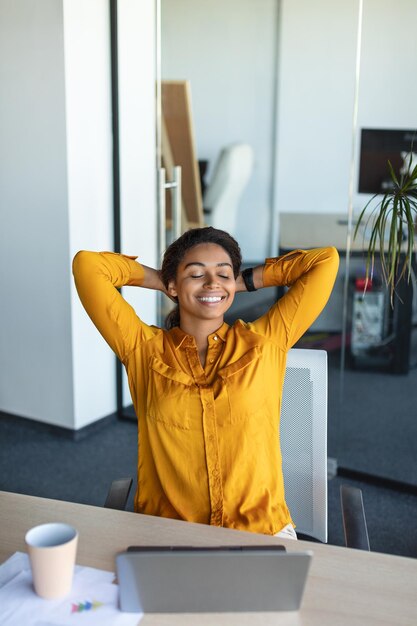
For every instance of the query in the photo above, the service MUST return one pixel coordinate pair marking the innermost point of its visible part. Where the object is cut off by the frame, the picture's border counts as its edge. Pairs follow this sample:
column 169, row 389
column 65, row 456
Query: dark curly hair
column 176, row 252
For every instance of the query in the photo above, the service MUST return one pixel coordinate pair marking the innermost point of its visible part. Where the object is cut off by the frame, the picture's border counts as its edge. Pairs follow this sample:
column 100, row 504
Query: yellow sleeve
column 97, row 276
column 310, row 274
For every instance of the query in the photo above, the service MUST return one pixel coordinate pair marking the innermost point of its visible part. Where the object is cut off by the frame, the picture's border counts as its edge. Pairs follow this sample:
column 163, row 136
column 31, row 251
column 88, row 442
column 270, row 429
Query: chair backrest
column 304, row 440
column 231, row 174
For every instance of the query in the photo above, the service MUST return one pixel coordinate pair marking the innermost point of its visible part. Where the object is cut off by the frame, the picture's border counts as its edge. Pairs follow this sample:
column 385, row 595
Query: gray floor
column 373, row 427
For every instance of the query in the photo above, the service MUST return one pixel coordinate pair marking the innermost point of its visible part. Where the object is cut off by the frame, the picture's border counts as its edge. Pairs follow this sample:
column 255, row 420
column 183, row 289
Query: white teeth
column 210, row 299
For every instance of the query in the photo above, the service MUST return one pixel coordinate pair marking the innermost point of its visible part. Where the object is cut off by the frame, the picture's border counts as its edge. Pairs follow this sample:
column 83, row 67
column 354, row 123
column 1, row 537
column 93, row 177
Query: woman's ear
column 171, row 289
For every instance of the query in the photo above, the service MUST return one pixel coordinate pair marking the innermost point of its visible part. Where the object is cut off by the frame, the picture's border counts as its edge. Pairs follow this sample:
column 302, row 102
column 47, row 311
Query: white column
column 56, row 198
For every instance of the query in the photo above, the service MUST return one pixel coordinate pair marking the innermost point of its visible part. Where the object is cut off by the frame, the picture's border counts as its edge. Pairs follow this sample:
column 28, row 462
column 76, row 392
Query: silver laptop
column 202, row 580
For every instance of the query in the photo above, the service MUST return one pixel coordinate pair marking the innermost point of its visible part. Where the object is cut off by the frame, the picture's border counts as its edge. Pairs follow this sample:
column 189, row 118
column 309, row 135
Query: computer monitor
column 378, row 146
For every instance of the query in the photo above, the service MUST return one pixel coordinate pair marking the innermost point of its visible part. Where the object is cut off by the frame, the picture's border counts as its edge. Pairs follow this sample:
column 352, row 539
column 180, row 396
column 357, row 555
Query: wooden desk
column 345, row 587
column 316, row 230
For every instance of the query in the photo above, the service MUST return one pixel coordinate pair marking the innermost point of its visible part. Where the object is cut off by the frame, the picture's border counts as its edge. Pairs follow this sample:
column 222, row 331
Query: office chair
column 304, row 452
column 118, row 494
column 354, row 522
column 303, row 438
column 222, row 195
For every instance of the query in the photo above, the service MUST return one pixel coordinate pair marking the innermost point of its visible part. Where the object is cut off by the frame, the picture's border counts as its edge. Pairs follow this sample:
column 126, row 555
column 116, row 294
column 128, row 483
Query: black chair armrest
column 354, row 522
column 118, row 494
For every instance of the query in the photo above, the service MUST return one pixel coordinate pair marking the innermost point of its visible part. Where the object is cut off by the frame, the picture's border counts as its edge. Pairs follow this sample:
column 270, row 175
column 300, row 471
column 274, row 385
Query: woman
column 207, row 395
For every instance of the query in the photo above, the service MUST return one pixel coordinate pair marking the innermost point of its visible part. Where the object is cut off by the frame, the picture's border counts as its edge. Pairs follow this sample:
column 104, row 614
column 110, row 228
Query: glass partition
column 377, row 413
column 299, row 81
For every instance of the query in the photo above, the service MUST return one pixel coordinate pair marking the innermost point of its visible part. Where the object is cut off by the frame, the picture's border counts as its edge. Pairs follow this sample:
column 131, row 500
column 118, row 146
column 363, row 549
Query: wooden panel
column 180, row 148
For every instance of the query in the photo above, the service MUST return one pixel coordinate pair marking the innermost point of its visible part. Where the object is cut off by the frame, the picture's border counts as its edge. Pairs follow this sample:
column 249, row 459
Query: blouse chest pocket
column 245, row 387
column 169, row 396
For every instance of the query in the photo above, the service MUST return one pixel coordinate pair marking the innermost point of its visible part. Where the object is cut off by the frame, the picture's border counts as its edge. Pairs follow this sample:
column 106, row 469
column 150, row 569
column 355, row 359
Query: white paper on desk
column 93, row 601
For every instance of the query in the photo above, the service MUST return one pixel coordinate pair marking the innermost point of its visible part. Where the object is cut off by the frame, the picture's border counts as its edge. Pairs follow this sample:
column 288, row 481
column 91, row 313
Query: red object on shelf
column 361, row 284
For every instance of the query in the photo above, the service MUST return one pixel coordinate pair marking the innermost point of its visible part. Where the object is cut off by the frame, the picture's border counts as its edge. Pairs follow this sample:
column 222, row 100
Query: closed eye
column 224, row 276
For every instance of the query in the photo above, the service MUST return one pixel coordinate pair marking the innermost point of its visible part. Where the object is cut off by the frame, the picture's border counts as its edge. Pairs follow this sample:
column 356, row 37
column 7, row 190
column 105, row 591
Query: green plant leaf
column 391, row 219
column 392, row 174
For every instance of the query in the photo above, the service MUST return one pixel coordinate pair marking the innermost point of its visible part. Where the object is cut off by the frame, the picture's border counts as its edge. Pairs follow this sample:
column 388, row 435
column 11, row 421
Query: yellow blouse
column 209, row 438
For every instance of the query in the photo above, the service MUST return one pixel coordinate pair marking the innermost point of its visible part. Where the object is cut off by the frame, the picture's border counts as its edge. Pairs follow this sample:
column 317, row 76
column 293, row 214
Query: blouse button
column 215, row 337
column 211, row 360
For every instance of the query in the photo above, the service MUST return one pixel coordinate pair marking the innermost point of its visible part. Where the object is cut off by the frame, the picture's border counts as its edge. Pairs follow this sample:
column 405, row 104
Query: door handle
column 174, row 186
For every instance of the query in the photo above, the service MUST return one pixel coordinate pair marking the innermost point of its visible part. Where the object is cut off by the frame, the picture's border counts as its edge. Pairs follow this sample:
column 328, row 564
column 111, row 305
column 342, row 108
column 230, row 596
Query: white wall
column 35, row 339
column 316, row 90
column 315, row 105
column 388, row 84
column 226, row 50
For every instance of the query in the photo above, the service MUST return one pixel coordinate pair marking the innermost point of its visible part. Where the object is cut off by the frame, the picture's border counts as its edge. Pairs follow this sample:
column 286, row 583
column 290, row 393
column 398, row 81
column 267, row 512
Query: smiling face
column 205, row 285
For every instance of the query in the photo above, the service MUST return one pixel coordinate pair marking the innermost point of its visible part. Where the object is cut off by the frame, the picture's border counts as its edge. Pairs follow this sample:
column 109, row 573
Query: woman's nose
column 211, row 281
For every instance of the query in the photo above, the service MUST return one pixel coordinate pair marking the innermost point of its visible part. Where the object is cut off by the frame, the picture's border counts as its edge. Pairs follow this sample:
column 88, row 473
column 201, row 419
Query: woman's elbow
column 334, row 256
column 81, row 261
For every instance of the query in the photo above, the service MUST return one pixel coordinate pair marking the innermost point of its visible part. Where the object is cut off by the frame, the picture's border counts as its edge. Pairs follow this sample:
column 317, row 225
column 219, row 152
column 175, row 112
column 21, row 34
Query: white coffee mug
column 52, row 549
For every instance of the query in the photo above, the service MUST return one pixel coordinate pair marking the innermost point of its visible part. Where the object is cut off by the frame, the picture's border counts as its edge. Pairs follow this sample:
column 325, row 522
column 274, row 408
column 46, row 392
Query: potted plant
column 391, row 219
